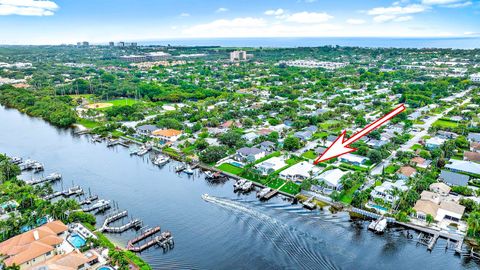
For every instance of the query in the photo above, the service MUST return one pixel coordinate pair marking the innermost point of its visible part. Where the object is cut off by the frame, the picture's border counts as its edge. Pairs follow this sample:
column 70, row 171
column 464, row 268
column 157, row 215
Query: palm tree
column 474, row 223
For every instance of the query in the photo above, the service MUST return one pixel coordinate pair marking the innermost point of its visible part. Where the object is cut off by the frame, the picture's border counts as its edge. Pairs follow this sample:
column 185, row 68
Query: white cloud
column 439, row 2
column 222, row 9
column 356, row 21
column 27, row 7
column 448, row 3
column 259, row 27
column 398, row 10
column 275, row 12
column 459, row 5
column 396, row 13
column 309, row 17
column 184, row 14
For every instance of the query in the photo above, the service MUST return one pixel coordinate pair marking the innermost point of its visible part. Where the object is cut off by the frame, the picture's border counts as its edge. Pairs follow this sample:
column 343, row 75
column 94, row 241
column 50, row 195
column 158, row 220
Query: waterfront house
column 406, row 172
column 440, row 188
column 331, row 179
column 471, row 156
column 463, row 166
column 353, row 159
column 271, row 165
column 74, row 260
column 34, row 246
column 167, row 135
column 146, row 130
column 249, row 154
column 386, row 191
column 434, row 142
column 453, row 178
column 299, row 172
column 439, row 207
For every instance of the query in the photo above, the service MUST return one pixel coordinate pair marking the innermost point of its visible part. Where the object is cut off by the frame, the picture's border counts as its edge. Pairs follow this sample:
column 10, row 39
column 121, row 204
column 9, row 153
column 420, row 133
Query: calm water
column 234, row 232
column 456, row 43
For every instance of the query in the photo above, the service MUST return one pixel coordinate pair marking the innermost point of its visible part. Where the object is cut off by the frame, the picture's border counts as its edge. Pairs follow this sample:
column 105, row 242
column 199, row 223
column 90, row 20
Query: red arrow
column 341, row 146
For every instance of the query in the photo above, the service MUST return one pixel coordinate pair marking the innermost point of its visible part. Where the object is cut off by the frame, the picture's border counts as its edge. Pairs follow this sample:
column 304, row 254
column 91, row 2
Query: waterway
column 233, row 232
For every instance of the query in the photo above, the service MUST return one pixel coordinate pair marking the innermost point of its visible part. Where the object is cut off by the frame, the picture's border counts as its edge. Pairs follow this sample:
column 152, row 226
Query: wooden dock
column 50, row 178
column 309, row 203
column 164, row 240
column 135, row 223
column 143, row 236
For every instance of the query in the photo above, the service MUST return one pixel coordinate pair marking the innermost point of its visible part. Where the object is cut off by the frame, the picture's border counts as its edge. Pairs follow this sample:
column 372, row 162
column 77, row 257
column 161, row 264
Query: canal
column 234, row 232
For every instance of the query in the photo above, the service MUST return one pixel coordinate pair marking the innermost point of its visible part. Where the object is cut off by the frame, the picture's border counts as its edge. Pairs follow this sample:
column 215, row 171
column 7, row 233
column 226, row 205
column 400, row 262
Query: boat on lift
column 188, row 170
column 161, row 160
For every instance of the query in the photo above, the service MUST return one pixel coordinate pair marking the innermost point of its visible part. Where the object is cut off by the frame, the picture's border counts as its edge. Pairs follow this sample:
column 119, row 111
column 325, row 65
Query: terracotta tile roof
column 407, row 171
column 167, row 132
column 418, row 160
column 472, row 156
column 427, row 207
column 24, row 247
column 70, row 261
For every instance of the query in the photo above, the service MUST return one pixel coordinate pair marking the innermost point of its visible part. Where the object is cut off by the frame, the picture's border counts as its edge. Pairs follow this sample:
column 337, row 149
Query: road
column 417, row 137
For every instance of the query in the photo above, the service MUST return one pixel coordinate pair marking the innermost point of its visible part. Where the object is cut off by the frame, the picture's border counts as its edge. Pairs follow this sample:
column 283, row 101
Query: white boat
column 37, row 167
column 142, row 151
column 263, row 192
column 188, row 170
column 247, row 186
column 161, row 160
column 239, row 184
column 379, row 225
column 53, row 176
column 16, row 160
column 205, row 196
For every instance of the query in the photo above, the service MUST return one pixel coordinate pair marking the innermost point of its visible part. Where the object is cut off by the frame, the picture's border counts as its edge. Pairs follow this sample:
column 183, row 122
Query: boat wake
column 298, row 247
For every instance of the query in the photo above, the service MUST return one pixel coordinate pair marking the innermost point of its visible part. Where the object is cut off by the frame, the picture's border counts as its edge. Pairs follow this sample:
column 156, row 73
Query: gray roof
column 246, row 151
column 453, row 178
column 474, row 137
column 267, row 143
column 147, row 128
column 311, row 128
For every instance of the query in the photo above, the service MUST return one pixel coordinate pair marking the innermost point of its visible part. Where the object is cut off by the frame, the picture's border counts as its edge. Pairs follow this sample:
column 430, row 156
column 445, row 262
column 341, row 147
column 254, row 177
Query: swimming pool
column 105, row 267
column 378, row 207
column 236, row 164
column 76, row 240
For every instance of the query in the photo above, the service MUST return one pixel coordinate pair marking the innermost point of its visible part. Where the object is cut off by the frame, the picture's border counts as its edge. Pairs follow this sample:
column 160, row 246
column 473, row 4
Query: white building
column 271, row 165
column 332, row 178
column 475, row 78
column 300, row 172
column 386, row 190
column 238, row 56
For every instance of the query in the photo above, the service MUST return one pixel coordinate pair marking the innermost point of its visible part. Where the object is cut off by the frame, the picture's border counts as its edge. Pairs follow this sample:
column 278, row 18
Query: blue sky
column 69, row 21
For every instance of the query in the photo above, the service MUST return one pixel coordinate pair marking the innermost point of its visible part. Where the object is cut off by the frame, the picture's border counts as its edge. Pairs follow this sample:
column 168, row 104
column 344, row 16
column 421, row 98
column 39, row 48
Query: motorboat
column 161, row 160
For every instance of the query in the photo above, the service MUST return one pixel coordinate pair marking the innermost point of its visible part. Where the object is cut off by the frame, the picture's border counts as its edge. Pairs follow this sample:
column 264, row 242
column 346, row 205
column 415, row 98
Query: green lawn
column 275, row 183
column 416, row 146
column 123, row 101
column 88, row 123
column 291, row 188
column 226, row 167
column 444, row 123
column 347, row 195
column 310, row 154
column 390, row 169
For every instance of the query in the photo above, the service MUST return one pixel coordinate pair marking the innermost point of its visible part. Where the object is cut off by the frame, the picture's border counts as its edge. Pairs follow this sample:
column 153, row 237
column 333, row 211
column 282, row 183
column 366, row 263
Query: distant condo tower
column 239, row 56
column 111, row 44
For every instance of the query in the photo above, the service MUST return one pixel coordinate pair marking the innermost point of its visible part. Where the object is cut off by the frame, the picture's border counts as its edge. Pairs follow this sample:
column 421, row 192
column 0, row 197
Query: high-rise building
column 85, row 43
column 121, row 44
column 111, row 44
column 238, row 56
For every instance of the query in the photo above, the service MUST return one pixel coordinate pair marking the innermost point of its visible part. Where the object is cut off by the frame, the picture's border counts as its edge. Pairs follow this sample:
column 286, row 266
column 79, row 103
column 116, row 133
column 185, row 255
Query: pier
column 76, row 190
column 164, row 240
column 433, row 235
column 135, row 223
column 50, row 178
column 89, row 200
column 147, row 233
column 309, row 204
column 101, row 205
